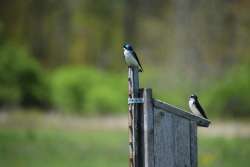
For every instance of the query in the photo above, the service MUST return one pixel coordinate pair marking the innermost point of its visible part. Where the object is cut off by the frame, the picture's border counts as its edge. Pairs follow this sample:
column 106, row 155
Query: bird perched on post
column 131, row 57
column 195, row 106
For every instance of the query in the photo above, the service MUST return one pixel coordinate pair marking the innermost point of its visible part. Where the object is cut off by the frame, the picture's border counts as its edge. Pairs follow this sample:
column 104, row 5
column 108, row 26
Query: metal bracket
column 135, row 100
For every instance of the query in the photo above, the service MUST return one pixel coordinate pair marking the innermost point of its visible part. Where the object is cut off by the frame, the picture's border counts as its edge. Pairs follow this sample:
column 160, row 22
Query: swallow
column 130, row 57
column 195, row 106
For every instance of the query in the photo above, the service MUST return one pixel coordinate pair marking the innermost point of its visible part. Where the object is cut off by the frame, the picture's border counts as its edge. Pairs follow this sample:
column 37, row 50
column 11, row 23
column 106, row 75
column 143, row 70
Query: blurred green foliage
column 184, row 46
column 230, row 97
column 77, row 89
column 88, row 90
column 22, row 80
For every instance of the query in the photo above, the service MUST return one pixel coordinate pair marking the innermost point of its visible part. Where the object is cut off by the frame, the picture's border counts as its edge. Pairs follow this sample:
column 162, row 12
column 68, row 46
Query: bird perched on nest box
column 130, row 57
column 195, row 106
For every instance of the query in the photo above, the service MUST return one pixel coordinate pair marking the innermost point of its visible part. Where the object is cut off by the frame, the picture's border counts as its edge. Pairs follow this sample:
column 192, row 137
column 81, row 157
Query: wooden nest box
column 161, row 135
column 169, row 134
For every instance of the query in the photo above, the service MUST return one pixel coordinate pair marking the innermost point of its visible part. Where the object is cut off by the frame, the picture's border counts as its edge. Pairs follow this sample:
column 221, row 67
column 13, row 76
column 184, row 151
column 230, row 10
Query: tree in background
column 192, row 40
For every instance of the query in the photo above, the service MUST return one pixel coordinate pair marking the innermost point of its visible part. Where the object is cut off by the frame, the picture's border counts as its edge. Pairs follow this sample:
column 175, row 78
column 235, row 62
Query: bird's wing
column 197, row 104
column 134, row 54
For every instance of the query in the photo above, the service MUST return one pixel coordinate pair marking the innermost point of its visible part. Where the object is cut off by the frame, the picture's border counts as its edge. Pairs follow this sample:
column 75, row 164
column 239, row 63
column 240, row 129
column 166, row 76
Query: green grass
column 51, row 148
column 221, row 152
column 62, row 149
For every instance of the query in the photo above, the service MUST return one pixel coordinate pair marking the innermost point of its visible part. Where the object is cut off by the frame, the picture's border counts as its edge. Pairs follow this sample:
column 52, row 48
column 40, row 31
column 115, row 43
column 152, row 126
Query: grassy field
column 57, row 148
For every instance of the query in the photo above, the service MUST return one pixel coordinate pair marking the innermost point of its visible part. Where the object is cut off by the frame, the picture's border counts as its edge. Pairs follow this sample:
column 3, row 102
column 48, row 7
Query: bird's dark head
column 193, row 96
column 127, row 46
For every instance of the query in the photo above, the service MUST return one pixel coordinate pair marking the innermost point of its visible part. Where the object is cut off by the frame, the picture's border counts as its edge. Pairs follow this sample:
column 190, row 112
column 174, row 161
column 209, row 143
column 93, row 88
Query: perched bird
column 195, row 106
column 131, row 57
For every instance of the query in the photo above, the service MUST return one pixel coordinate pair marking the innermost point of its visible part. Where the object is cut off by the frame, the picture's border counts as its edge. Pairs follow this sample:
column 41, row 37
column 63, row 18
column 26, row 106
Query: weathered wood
column 193, row 143
column 172, row 140
column 148, row 129
column 160, row 135
column 174, row 110
column 163, row 140
column 133, row 87
column 140, row 131
column 181, row 135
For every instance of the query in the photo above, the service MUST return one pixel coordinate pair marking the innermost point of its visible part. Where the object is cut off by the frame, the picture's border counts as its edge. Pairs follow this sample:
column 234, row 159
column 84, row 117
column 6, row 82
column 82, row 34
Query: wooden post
column 148, row 129
column 133, row 92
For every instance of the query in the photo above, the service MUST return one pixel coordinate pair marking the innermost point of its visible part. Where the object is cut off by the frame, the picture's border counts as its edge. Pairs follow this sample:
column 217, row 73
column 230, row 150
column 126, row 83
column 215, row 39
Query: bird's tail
column 140, row 69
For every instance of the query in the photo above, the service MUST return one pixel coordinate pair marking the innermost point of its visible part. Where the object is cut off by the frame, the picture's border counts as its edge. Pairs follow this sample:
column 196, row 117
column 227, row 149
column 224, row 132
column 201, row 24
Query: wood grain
column 171, row 140
column 148, row 129
column 193, row 144
column 133, row 92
